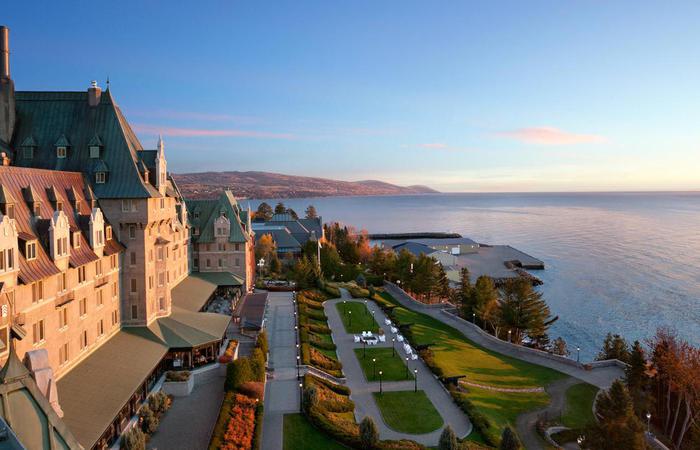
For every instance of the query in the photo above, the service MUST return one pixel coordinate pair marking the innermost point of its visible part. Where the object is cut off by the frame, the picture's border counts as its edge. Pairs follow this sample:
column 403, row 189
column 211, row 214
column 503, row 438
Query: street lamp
column 301, row 396
column 415, row 380
column 473, row 318
column 578, row 354
column 407, row 367
column 374, row 366
column 380, row 382
column 364, row 348
column 261, row 264
column 350, row 317
column 393, row 347
column 648, row 423
column 365, row 307
column 509, row 333
column 298, row 376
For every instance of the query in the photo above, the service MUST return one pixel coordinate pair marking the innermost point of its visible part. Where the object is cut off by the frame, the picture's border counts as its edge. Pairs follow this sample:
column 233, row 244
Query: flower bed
column 241, row 425
column 230, row 353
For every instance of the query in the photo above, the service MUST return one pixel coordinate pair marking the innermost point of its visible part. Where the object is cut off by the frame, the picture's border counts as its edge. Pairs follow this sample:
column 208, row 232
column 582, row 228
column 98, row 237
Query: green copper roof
column 44, row 118
column 203, row 213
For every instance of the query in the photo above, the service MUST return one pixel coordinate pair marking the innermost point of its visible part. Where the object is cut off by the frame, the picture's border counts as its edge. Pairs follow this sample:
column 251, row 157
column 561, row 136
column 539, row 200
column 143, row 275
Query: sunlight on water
column 626, row 263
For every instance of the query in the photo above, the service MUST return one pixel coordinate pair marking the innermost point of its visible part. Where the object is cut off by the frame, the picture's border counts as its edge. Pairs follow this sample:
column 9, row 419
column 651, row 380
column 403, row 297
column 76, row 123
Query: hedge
column 257, row 434
column 480, row 422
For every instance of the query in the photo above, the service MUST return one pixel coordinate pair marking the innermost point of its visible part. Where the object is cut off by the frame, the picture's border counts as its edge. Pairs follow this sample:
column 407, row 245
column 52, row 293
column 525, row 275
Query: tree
column 524, row 310
column 264, row 212
column 331, row 264
column 617, row 426
column 464, row 293
column 381, row 262
column 237, row 373
column 485, row 301
column 305, row 273
column 614, row 347
column 149, row 421
column 292, row 213
column 637, row 379
column 368, row 433
column 448, row 440
column 265, row 247
column 311, row 212
column 262, row 343
column 134, row 439
column 509, row 441
column 280, row 208
column 257, row 364
column 559, row 347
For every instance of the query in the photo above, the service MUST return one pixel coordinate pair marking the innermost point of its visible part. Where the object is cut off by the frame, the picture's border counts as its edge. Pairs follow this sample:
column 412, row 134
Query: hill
column 276, row 185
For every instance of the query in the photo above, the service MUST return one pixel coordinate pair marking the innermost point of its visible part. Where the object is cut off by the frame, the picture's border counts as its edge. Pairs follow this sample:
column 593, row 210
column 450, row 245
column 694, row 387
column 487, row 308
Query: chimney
column 4, row 53
column 94, row 94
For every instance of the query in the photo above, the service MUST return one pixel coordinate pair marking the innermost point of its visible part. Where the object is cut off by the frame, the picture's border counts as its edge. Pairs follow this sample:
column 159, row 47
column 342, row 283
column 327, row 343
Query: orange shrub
column 241, row 426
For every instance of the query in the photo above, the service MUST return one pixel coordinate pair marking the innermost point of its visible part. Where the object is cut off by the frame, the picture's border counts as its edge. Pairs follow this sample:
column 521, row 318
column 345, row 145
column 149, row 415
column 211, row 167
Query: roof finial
column 107, row 83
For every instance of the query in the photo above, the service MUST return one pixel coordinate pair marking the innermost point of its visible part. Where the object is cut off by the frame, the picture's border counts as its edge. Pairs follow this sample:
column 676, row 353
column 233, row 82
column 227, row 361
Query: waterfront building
column 290, row 234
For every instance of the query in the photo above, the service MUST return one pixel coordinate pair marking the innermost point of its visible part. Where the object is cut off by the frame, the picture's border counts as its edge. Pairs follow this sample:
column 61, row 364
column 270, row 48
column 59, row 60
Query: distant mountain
column 276, row 185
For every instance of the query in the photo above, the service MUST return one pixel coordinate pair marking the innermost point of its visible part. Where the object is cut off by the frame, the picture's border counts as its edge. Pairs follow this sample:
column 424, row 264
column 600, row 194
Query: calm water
column 621, row 262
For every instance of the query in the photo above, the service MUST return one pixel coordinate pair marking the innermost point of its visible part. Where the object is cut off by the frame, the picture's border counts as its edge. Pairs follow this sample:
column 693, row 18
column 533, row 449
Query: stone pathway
column 282, row 390
column 362, row 390
column 189, row 422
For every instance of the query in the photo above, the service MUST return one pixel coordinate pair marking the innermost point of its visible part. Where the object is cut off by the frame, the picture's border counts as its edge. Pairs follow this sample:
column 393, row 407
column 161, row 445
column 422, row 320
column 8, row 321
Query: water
column 620, row 262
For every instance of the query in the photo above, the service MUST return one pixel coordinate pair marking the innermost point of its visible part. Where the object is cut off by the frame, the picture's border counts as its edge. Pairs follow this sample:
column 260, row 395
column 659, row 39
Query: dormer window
column 94, row 151
column 28, row 152
column 76, row 239
column 100, row 177
column 37, row 209
column 108, row 232
column 10, row 210
column 196, row 214
column 61, row 152
column 62, row 246
column 30, row 250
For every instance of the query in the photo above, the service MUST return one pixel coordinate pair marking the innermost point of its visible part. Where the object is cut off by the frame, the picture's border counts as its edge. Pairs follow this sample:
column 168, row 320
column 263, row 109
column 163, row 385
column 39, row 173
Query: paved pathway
column 189, row 422
column 362, row 390
column 282, row 390
column 601, row 377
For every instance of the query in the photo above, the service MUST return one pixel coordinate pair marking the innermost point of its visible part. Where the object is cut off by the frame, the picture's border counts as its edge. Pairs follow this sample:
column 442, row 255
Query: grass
column 579, row 405
column 408, row 411
column 393, row 367
column 356, row 317
column 299, row 434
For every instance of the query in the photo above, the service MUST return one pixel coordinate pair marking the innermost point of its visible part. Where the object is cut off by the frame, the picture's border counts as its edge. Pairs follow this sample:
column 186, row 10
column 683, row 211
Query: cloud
column 434, row 145
column 550, row 136
column 193, row 115
column 202, row 132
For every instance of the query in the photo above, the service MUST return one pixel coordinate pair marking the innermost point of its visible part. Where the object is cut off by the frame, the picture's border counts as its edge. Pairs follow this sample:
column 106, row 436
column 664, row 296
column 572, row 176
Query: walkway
column 362, row 390
column 601, row 377
column 188, row 424
column 282, row 391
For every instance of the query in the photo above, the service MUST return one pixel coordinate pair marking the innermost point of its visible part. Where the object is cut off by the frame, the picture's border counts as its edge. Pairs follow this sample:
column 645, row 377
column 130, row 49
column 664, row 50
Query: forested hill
column 275, row 185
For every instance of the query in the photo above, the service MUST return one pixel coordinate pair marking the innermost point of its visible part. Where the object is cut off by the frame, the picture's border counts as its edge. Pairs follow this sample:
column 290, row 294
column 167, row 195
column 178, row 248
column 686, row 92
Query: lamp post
column 509, row 333
column 580, row 439
column 407, row 367
column 648, row 423
column 415, row 380
column 393, row 347
column 578, row 354
column 261, row 264
column 345, row 306
column 296, row 333
column 366, row 310
column 364, row 348
column 350, row 318
column 474, row 318
column 298, row 376
column 374, row 366
column 301, row 396
column 380, row 382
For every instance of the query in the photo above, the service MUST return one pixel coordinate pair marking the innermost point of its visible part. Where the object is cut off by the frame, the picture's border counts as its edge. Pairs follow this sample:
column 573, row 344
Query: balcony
column 101, row 281
column 66, row 297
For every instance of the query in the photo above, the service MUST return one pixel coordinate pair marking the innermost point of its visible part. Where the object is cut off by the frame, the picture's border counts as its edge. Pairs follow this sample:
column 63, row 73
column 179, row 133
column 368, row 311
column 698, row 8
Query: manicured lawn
column 579, row 405
column 356, row 317
column 299, row 434
column 392, row 367
column 408, row 411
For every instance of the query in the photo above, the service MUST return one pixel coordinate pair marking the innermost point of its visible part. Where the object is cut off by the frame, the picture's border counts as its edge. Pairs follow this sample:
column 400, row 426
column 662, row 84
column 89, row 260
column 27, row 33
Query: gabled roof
column 415, row 248
column 203, row 213
column 5, row 195
column 62, row 141
column 43, row 117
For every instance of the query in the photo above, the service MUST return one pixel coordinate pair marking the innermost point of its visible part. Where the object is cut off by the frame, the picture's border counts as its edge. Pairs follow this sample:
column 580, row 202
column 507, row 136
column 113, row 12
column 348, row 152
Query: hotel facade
column 98, row 297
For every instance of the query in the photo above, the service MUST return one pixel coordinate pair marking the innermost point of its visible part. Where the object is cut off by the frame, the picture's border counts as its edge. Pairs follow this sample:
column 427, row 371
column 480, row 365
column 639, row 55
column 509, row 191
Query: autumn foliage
column 241, row 426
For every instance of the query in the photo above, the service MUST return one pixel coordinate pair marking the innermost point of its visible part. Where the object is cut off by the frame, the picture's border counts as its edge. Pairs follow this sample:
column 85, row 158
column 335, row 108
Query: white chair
column 407, row 348
column 364, row 334
column 394, row 330
column 387, row 322
column 357, row 338
column 399, row 338
column 414, row 357
column 382, row 338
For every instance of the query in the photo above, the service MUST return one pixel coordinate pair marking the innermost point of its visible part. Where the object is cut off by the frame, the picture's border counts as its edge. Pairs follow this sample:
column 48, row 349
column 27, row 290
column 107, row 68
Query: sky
column 460, row 96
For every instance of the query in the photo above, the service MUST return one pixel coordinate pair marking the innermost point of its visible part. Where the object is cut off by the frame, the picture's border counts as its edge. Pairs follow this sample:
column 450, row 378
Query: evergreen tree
column 464, row 293
column 311, row 212
column 524, row 310
column 264, row 212
column 292, row 213
column 280, row 208
column 559, row 347
column 257, row 365
column 614, row 347
column 369, row 436
column 617, row 426
column 637, row 379
column 485, row 300
column 509, row 441
column 331, row 264
column 448, row 440
column 402, row 267
column 442, row 288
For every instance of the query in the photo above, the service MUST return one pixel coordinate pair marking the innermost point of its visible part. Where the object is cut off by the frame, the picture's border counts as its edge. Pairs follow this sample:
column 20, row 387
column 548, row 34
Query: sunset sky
column 461, row 96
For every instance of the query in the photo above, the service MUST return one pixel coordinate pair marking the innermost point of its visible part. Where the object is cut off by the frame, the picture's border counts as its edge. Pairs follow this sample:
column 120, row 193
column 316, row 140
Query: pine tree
column 311, row 212
column 280, row 208
column 509, row 441
column 617, row 426
column 264, row 212
column 464, row 293
column 368, row 433
column 448, row 440
column 637, row 379
column 614, row 347
column 524, row 310
column 485, row 300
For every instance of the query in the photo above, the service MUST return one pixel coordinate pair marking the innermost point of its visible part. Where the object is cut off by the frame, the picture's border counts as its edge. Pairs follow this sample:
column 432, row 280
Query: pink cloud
column 201, row 132
column 550, row 136
column 434, row 145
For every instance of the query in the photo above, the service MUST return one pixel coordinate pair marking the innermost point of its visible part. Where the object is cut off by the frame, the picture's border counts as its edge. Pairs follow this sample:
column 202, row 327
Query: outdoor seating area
column 369, row 338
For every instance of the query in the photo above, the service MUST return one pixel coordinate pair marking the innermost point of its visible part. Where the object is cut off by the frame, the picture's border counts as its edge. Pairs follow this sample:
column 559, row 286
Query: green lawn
column 392, row 367
column 356, row 317
column 408, row 411
column 579, row 405
column 299, row 434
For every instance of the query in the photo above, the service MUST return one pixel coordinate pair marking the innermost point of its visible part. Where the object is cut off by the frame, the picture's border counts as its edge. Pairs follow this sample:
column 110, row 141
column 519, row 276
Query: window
column 133, row 285
column 134, row 311
column 100, row 237
column 208, row 263
column 62, row 282
column 195, row 263
column 128, row 205
column 28, row 152
column 76, row 239
column 94, row 151
column 38, row 291
column 132, row 232
column 160, row 253
column 38, row 332
column 63, row 354
column 115, row 290
column 115, row 317
column 132, row 258
column 10, row 211
column 83, row 307
column 113, row 261
column 238, row 262
column 196, row 231
column 161, row 279
column 162, row 203
column 100, row 328
column 37, row 209
column 98, row 268
column 222, row 247
column 161, row 303
column 221, row 264
column 31, row 250
column 83, row 340
column 81, row 274
column 100, row 298
column 59, row 206
column 108, row 232
column 63, row 317
column 196, row 214
column 100, row 177
column 62, row 246
column 150, row 282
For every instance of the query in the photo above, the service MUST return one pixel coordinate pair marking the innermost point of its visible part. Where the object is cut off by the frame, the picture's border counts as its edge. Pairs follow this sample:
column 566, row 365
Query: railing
column 101, row 281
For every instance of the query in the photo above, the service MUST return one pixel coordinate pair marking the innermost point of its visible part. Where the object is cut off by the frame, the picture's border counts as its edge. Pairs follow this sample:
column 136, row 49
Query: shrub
column 322, row 329
column 149, row 421
column 509, row 441
column 241, row 425
column 333, row 291
column 448, row 440
column 253, row 389
column 257, row 364
column 237, row 373
column 159, row 402
column 177, row 375
column 134, row 439
column 481, row 424
column 222, row 421
column 305, row 354
column 368, row 433
column 262, row 344
column 322, row 361
column 429, row 359
column 257, row 434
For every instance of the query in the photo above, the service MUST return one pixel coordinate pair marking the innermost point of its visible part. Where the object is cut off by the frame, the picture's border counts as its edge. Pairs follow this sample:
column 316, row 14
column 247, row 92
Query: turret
column 7, row 90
